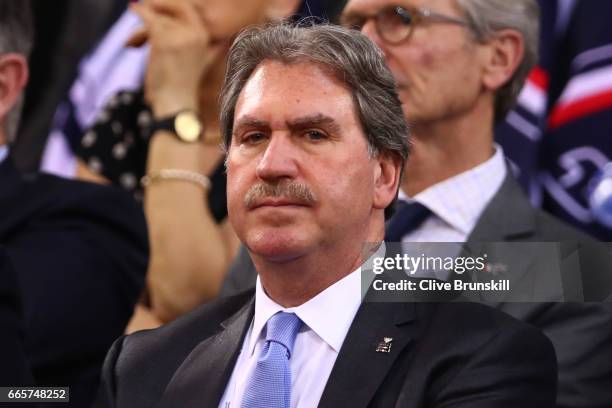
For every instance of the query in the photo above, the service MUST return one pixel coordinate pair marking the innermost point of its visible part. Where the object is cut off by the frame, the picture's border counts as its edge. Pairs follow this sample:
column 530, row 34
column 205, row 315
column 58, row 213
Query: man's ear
column 281, row 9
column 386, row 179
column 13, row 78
column 504, row 54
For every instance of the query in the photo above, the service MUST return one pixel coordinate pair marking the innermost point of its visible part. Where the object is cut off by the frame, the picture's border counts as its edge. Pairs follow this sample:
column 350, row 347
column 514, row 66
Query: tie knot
column 407, row 218
column 282, row 328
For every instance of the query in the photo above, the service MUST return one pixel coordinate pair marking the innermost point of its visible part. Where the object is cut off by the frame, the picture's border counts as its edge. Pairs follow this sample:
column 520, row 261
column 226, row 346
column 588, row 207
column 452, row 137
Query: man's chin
column 276, row 247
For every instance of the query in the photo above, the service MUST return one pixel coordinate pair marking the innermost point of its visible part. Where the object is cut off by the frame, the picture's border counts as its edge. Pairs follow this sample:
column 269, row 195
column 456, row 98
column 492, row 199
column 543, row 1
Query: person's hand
column 181, row 53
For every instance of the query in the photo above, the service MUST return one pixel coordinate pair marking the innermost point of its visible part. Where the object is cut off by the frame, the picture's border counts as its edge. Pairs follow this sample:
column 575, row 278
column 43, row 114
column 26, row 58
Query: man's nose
column 279, row 160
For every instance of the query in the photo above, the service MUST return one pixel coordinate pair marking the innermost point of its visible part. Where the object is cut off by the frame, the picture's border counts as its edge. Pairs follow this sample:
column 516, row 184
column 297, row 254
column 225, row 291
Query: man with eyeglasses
column 459, row 66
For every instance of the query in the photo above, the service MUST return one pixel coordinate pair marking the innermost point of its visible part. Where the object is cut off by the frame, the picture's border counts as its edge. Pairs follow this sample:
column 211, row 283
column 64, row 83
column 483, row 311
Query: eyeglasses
column 395, row 24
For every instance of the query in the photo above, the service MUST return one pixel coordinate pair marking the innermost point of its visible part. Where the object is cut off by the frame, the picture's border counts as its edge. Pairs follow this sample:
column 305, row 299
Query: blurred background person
column 80, row 250
column 460, row 65
column 65, row 31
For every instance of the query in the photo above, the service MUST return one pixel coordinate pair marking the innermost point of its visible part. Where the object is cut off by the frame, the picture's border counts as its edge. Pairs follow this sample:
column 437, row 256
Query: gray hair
column 16, row 35
column 350, row 56
column 486, row 17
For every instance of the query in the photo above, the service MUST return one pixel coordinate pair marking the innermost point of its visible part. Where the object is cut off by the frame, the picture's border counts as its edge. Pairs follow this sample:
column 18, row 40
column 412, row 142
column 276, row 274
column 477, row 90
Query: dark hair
column 350, row 55
column 16, row 27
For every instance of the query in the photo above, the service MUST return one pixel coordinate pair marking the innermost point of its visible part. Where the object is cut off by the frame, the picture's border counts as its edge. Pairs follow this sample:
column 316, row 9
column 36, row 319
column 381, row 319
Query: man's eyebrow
column 300, row 123
column 315, row 120
column 250, row 122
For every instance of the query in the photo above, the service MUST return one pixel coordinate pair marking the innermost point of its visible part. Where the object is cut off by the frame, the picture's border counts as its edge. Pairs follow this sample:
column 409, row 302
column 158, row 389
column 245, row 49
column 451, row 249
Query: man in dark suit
column 301, row 106
column 80, row 250
column 456, row 79
column 15, row 369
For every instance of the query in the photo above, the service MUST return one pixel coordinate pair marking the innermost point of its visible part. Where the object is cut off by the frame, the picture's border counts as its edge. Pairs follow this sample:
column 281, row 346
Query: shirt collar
column 460, row 200
column 4, row 151
column 329, row 314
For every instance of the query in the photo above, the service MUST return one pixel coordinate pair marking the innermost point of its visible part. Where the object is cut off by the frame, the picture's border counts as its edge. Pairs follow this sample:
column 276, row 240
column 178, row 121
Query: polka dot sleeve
column 116, row 147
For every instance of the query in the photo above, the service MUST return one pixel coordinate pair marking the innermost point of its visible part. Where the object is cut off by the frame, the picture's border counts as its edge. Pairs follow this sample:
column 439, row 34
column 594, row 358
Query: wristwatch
column 185, row 125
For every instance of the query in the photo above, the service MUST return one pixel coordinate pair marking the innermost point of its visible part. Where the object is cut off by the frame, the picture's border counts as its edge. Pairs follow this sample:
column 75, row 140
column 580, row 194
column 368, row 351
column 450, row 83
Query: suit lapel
column 203, row 376
column 509, row 217
column 360, row 369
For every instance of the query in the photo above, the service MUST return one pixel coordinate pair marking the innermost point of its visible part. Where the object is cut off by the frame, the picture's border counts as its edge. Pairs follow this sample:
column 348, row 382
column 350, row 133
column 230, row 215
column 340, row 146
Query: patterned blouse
column 117, row 144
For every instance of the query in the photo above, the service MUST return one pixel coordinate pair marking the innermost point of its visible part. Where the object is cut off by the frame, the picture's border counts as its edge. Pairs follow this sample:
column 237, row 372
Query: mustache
column 292, row 191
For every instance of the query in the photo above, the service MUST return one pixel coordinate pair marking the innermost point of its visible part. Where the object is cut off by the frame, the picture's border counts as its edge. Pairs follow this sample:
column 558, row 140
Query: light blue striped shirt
column 458, row 202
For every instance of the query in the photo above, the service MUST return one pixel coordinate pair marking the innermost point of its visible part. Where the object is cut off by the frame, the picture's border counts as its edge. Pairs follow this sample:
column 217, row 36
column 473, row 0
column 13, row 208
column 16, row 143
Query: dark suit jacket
column 442, row 355
column 14, row 369
column 580, row 332
column 80, row 251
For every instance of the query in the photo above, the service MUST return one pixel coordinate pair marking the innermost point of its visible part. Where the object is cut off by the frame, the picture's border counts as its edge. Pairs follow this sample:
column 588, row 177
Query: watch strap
column 169, row 123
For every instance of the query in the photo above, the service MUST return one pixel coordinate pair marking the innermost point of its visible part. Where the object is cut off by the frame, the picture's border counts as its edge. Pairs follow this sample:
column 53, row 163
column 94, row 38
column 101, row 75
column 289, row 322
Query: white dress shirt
column 327, row 318
column 4, row 151
column 457, row 202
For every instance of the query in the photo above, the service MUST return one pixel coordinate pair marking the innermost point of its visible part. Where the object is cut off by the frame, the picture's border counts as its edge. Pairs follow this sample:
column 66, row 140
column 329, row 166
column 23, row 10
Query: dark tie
column 407, row 218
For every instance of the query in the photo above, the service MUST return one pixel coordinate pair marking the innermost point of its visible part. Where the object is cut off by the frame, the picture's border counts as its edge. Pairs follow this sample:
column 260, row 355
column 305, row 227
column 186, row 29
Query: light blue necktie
column 269, row 385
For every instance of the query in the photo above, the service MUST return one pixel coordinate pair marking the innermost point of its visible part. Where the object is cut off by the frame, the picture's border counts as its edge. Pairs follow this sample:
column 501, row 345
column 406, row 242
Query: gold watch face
column 188, row 127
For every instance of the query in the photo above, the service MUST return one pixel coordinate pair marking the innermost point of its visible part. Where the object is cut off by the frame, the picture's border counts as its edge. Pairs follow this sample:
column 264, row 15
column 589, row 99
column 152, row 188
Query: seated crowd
column 212, row 249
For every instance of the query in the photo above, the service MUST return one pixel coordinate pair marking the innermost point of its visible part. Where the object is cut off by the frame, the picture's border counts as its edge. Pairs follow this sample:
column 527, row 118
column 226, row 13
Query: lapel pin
column 385, row 345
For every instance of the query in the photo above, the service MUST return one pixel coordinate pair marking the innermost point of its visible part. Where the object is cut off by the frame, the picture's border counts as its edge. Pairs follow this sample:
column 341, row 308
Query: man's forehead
column 266, row 75
column 268, row 70
column 300, row 83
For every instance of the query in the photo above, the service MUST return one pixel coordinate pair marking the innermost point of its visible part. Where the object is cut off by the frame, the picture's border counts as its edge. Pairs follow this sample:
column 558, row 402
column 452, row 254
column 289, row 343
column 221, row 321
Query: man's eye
column 253, row 138
column 315, row 135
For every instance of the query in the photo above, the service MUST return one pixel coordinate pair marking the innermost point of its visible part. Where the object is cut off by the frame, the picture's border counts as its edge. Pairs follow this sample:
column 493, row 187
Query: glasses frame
column 415, row 16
